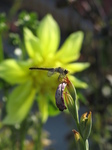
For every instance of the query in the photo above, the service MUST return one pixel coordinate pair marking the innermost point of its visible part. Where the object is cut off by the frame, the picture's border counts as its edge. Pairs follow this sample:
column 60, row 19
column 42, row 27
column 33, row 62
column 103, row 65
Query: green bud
column 70, row 88
column 71, row 99
column 86, row 124
column 71, row 105
column 79, row 141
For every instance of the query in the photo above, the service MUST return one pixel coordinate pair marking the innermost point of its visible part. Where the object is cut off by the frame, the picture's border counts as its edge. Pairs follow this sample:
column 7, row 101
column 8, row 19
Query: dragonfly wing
column 50, row 73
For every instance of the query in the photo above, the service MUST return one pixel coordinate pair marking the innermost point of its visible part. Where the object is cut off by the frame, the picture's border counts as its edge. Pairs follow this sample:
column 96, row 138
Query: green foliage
column 29, row 20
column 3, row 26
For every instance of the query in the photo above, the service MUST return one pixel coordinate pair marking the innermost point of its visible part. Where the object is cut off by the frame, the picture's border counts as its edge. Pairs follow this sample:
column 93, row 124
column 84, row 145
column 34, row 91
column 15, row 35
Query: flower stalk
column 1, row 49
column 84, row 125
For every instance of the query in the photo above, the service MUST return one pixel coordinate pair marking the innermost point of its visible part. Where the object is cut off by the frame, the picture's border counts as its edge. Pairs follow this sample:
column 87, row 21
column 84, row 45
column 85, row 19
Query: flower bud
column 83, row 120
column 78, row 139
column 71, row 99
column 70, row 88
column 59, row 97
column 71, row 105
column 86, row 124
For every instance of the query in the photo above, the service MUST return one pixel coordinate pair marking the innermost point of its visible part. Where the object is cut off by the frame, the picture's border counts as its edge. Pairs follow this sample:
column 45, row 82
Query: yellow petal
column 70, row 50
column 33, row 45
column 19, row 103
column 49, row 35
column 77, row 67
column 14, row 71
column 77, row 83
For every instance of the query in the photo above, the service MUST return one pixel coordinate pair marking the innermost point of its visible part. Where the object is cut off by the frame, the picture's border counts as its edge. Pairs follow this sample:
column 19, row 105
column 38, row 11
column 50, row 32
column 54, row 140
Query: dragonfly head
column 66, row 71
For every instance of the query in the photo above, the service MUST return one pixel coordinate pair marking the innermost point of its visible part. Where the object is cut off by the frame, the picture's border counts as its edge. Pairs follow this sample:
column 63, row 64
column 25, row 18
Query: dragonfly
column 62, row 72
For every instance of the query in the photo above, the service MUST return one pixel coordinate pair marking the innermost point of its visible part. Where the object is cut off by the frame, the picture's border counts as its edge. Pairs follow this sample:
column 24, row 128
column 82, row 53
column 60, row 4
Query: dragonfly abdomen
column 36, row 68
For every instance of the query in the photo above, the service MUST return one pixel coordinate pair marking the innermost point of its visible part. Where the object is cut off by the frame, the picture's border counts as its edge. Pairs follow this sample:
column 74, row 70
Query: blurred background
column 94, row 18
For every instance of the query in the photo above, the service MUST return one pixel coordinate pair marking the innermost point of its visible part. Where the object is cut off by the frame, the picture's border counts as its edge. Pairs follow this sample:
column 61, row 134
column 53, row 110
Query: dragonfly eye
column 65, row 71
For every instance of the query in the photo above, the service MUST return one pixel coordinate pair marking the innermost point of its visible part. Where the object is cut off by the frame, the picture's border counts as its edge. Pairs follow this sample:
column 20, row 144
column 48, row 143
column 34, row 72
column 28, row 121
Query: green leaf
column 19, row 103
column 77, row 67
column 77, row 83
column 70, row 50
column 49, row 35
column 82, row 98
column 14, row 71
column 33, row 45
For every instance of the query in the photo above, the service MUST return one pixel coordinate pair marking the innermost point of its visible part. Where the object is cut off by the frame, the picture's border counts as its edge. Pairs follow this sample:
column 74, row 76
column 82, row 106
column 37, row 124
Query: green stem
column 22, row 138
column 38, row 139
column 1, row 49
column 13, row 138
column 23, row 131
column 78, row 127
column 87, row 144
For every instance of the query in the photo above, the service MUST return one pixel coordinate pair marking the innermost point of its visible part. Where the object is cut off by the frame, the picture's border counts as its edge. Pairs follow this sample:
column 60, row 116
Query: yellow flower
column 42, row 50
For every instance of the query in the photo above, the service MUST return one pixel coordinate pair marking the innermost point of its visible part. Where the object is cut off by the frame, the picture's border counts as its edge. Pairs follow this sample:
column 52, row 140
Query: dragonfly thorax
column 62, row 71
column 65, row 71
